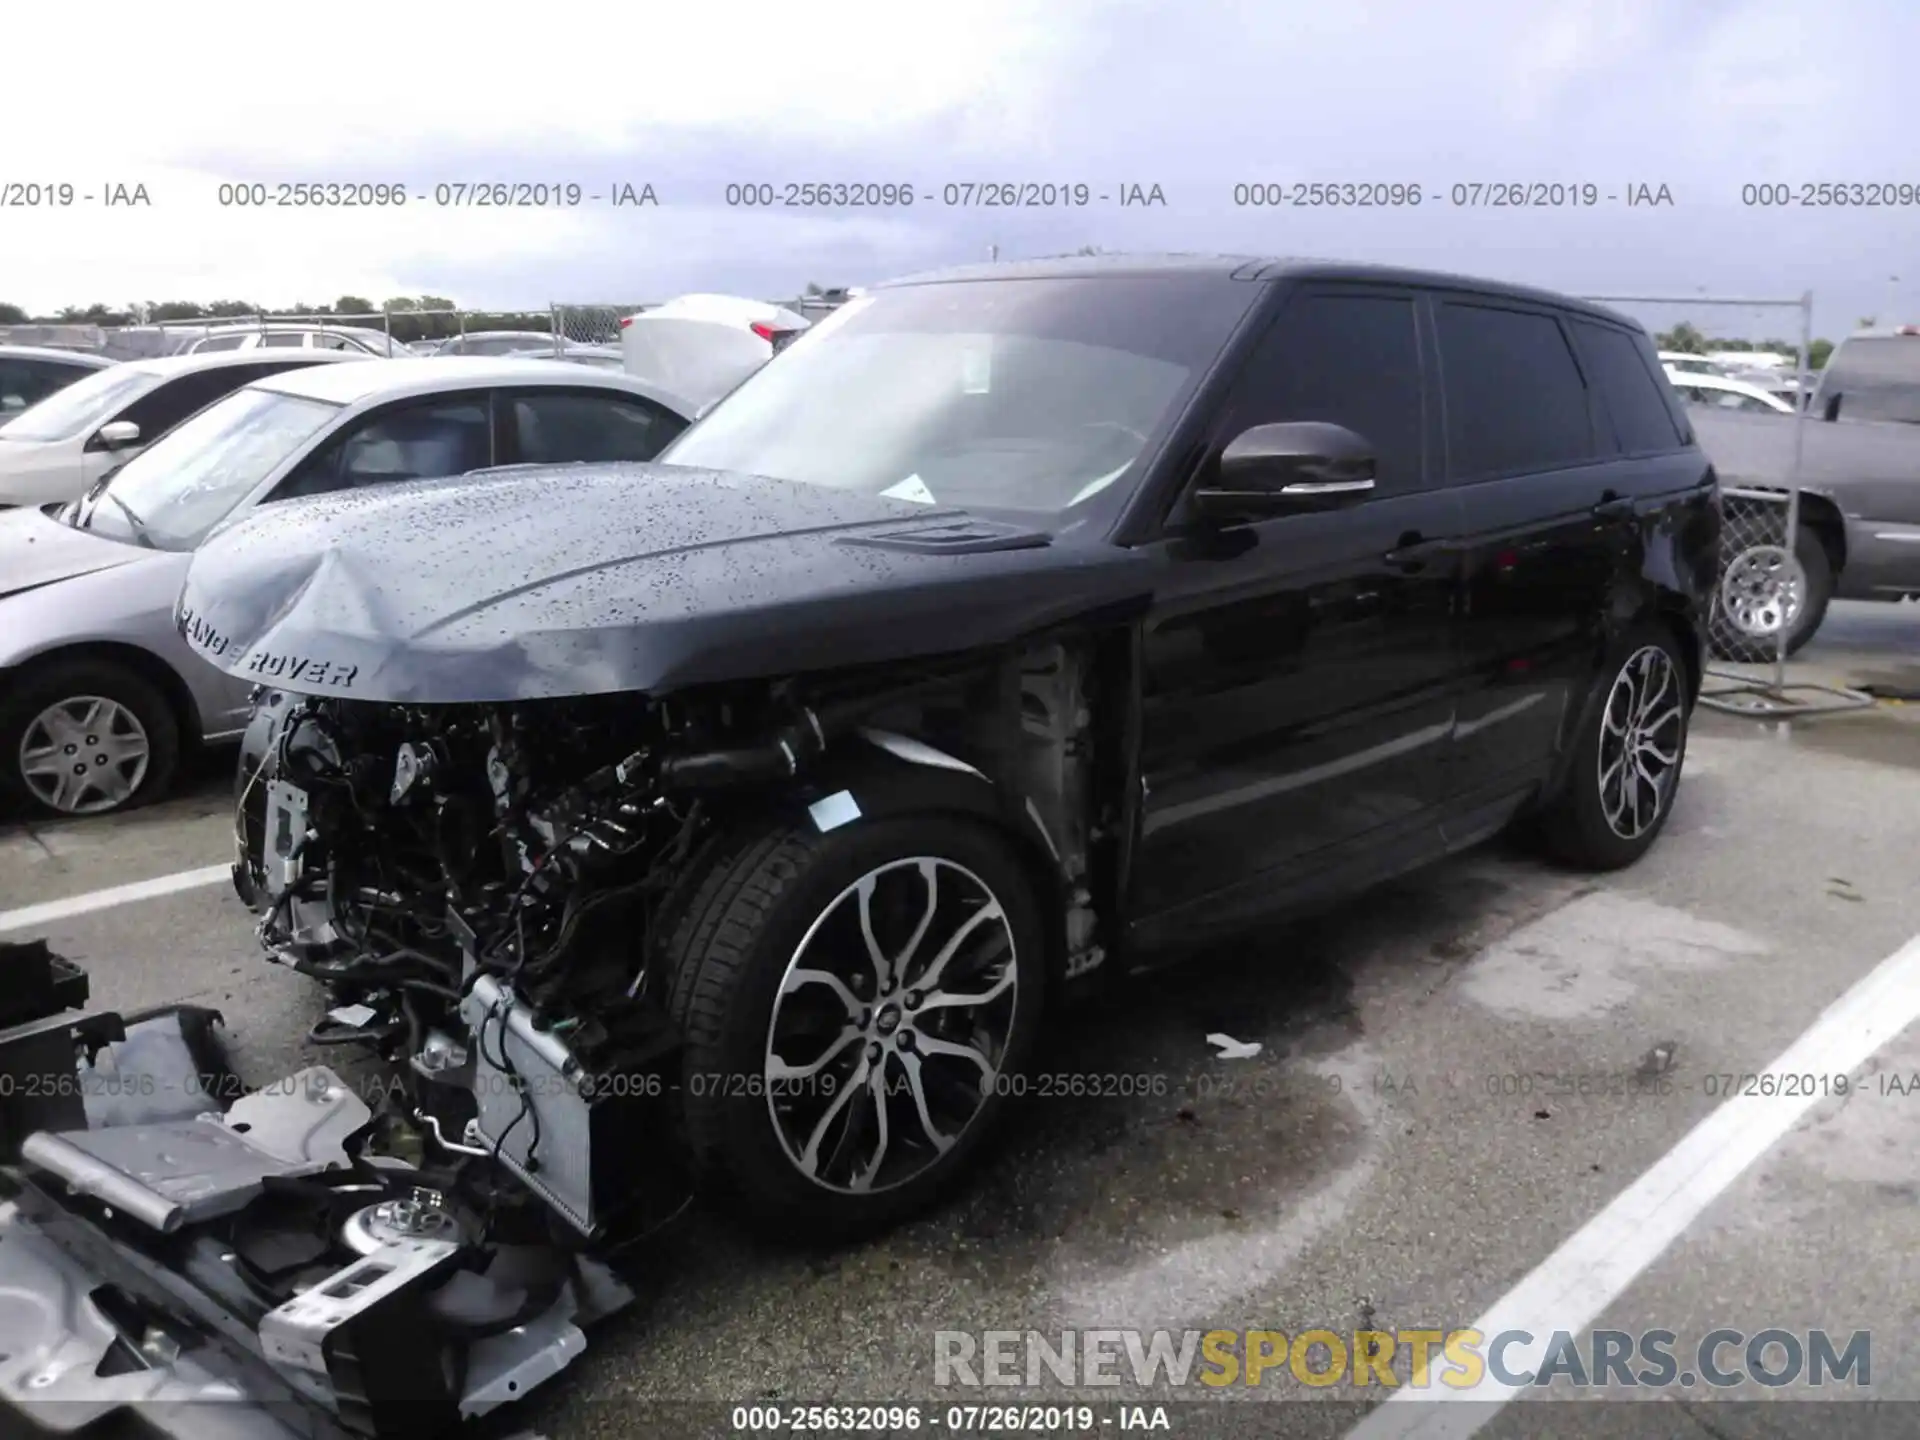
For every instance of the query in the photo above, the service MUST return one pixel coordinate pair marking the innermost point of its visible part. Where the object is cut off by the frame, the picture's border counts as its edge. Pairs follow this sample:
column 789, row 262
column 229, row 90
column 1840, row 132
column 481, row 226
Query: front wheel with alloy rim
column 85, row 737
column 854, row 1008
column 1625, row 768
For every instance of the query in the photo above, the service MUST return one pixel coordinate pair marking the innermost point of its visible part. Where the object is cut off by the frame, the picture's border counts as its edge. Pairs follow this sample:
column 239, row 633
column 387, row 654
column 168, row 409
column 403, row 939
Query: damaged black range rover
column 1015, row 624
column 1011, row 629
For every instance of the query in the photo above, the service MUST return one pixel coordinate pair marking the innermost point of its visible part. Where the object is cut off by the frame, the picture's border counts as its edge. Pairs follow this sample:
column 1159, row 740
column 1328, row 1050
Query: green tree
column 1683, row 338
column 1818, row 352
column 1867, row 322
column 12, row 315
column 400, row 305
column 353, row 305
column 174, row 310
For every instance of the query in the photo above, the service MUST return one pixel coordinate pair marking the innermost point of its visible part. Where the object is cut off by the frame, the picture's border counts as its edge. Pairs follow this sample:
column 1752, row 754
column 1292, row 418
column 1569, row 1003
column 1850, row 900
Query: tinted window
column 556, row 428
column 1642, row 418
column 28, row 382
column 422, row 441
column 1351, row 360
column 220, row 342
column 283, row 341
column 1515, row 401
column 1876, row 377
column 160, row 409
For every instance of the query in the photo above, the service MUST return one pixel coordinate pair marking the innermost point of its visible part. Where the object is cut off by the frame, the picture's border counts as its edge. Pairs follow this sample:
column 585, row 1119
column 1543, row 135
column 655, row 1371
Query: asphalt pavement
column 1491, row 1091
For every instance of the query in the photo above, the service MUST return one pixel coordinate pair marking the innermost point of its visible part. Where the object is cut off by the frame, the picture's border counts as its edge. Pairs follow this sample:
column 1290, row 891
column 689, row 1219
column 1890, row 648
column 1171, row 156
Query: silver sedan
column 99, row 693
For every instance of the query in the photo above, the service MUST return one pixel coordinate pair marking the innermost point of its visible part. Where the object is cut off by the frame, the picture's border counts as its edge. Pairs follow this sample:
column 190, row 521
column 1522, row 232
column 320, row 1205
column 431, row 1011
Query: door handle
column 1614, row 507
column 1413, row 552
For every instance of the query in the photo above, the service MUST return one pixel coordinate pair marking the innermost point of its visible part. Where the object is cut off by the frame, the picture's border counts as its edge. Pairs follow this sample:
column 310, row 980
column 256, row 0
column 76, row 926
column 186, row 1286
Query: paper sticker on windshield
column 976, row 370
column 912, row 488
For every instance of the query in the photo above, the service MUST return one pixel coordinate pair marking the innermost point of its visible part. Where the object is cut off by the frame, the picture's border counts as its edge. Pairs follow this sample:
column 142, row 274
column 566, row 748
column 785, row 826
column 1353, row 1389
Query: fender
column 878, row 773
column 894, row 774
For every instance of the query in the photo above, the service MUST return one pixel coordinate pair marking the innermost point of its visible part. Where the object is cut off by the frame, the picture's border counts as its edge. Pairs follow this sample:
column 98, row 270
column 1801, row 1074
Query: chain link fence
column 591, row 324
column 1761, row 586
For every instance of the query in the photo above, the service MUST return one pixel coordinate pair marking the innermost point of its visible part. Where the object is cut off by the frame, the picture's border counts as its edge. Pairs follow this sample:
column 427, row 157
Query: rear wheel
column 86, row 737
column 1762, row 591
column 852, row 1005
column 1627, row 757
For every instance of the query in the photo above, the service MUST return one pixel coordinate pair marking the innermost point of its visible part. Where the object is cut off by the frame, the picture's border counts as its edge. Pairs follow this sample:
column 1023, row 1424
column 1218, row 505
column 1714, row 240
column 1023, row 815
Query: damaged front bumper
column 258, row 1267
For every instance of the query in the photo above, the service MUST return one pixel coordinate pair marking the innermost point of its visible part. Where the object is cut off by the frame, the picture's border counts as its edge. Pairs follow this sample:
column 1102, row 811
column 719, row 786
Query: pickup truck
column 1859, row 530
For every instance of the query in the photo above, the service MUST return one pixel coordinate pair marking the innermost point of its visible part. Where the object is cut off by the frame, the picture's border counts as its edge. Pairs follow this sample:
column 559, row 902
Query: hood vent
column 953, row 537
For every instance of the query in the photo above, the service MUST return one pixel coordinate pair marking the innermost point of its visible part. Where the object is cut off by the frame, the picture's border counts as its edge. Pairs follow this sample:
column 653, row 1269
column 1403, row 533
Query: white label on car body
column 836, row 810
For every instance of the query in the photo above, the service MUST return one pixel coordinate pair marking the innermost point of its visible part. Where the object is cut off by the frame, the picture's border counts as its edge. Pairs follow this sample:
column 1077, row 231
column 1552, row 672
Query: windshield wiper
column 134, row 522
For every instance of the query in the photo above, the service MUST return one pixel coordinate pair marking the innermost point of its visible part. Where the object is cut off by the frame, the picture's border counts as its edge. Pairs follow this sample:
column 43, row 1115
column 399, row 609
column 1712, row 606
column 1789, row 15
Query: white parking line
column 1571, row 1288
column 31, row 917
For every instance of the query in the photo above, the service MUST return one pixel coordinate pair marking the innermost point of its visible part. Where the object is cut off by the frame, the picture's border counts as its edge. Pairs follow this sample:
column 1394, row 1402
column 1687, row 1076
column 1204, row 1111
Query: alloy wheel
column 891, row 1026
column 84, row 755
column 1641, row 733
column 1763, row 590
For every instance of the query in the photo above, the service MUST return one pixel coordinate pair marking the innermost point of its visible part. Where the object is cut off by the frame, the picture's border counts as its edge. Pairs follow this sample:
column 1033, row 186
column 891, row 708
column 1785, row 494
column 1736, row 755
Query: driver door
column 1300, row 672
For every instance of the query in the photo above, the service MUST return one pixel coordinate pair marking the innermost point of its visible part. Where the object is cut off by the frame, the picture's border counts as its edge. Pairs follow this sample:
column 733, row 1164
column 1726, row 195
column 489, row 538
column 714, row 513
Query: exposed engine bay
column 488, row 894
column 488, row 891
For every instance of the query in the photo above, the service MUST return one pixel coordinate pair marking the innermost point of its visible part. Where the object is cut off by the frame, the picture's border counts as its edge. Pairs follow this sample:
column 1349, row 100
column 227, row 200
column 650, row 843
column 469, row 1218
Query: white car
column 1725, row 394
column 701, row 346
column 99, row 692
column 57, row 449
column 297, row 337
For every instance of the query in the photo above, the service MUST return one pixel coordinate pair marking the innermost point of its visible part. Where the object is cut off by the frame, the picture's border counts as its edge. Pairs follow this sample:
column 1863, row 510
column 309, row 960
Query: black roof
column 1255, row 268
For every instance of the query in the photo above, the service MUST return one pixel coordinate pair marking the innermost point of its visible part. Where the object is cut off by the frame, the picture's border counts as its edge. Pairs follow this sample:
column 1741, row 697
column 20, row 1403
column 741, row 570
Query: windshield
column 85, row 403
column 186, row 482
column 1027, row 396
column 1875, row 377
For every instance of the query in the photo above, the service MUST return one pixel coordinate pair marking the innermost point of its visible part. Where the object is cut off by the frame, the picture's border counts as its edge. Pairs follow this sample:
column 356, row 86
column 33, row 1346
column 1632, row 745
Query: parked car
column 1726, row 394
column 1859, row 531
column 98, row 692
column 57, row 449
column 1691, row 363
column 295, row 337
column 704, row 345
column 1017, row 627
column 30, row 373
column 498, row 342
column 603, row 357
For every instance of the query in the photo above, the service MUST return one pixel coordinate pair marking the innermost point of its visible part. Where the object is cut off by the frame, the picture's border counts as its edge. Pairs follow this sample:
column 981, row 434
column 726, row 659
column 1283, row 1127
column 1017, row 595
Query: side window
column 283, row 340
column 1515, row 400
column 333, row 342
column 220, row 342
column 166, row 405
column 557, row 427
column 421, row 441
column 1642, row 417
column 1351, row 360
column 28, row 382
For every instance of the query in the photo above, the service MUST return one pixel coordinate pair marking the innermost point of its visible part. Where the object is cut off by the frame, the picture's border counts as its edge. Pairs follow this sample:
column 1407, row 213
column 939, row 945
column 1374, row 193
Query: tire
column 143, row 717
column 776, row 895
column 1729, row 642
column 1587, row 824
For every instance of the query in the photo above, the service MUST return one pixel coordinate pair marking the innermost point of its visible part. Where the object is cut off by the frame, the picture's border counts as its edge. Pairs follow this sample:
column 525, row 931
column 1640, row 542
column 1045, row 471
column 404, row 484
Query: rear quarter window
column 1635, row 394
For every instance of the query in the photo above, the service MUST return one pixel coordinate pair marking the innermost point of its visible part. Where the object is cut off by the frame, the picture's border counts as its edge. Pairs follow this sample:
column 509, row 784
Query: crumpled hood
column 36, row 549
column 578, row 580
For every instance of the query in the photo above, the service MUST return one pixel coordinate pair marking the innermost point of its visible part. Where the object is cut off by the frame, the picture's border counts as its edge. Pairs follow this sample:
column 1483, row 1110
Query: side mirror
column 116, row 435
column 1287, row 469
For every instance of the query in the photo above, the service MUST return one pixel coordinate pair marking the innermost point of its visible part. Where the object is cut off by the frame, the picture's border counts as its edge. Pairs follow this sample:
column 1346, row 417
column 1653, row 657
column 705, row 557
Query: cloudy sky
column 1194, row 96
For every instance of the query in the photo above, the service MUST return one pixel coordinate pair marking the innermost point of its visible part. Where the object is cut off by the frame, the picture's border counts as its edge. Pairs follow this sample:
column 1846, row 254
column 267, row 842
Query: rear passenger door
column 1548, row 526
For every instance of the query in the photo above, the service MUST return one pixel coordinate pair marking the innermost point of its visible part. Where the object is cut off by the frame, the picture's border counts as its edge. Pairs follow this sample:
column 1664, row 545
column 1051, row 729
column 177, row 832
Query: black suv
column 1011, row 628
